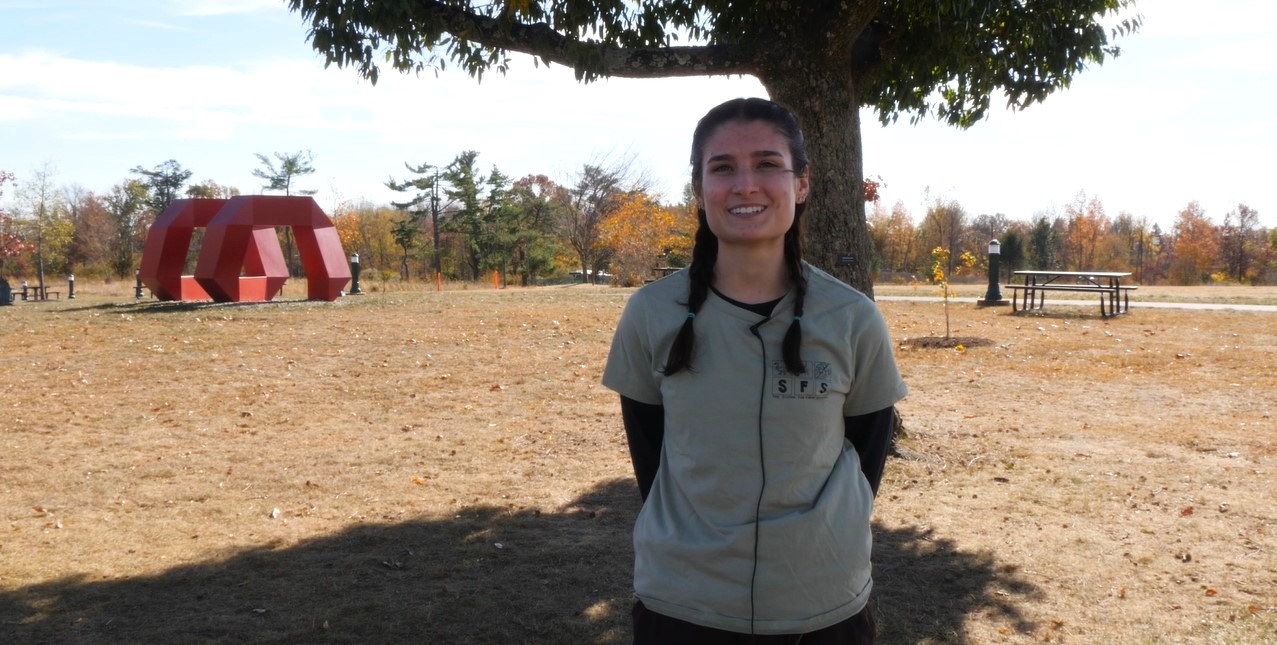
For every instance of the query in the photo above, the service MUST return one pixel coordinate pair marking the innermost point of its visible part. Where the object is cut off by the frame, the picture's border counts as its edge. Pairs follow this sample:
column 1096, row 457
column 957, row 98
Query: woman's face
column 748, row 186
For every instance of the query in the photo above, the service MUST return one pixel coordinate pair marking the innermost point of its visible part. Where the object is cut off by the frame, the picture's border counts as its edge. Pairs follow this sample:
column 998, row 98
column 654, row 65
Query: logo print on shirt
column 813, row 383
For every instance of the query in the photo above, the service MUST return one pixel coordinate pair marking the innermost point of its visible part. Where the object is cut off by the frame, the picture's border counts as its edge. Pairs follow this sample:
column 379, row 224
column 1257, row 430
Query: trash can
column 6, row 293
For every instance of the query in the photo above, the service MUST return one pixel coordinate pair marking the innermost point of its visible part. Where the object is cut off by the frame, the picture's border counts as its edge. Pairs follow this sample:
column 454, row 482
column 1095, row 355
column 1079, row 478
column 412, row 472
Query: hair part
column 705, row 248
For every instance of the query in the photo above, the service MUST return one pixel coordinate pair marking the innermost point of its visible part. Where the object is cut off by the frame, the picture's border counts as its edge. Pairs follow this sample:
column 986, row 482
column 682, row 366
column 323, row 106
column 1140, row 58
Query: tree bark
column 835, row 236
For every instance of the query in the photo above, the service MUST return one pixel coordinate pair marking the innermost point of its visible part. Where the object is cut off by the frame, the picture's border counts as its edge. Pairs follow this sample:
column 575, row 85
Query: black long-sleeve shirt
column 644, row 424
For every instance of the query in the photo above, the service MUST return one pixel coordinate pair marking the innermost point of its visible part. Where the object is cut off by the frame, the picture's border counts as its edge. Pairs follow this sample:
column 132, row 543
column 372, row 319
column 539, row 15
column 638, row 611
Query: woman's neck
column 751, row 274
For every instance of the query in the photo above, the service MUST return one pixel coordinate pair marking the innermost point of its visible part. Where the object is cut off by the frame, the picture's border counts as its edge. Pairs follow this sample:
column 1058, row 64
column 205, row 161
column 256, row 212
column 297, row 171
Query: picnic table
column 1030, row 293
column 38, row 293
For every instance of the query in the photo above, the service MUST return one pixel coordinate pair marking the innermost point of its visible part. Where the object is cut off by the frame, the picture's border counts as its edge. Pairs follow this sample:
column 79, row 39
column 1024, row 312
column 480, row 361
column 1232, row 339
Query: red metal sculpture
column 167, row 244
column 240, row 259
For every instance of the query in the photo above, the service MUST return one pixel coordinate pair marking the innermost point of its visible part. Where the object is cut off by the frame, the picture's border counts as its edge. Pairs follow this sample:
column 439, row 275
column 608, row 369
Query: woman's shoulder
column 674, row 284
column 668, row 292
column 823, row 285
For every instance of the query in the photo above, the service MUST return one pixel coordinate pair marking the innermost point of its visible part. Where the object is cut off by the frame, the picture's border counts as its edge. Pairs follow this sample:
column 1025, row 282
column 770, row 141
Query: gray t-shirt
column 752, row 451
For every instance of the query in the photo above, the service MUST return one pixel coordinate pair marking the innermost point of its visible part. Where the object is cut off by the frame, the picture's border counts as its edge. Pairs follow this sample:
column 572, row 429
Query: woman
column 757, row 394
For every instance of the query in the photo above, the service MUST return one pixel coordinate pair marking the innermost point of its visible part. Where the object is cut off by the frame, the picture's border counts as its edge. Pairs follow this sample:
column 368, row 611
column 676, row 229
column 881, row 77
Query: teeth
column 747, row 210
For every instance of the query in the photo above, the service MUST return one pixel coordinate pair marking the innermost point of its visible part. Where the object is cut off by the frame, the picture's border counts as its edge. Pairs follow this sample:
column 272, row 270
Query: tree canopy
column 824, row 59
column 291, row 166
column 163, row 183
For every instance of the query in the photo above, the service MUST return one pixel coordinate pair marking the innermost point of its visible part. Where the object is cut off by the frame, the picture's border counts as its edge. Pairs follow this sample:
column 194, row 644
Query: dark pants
column 651, row 628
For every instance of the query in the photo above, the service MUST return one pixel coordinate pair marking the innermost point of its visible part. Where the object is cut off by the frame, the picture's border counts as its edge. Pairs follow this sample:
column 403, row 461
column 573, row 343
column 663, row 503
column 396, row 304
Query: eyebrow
column 755, row 155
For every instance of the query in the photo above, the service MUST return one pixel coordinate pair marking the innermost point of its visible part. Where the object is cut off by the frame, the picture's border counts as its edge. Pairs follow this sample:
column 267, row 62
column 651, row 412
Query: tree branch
column 590, row 58
column 432, row 24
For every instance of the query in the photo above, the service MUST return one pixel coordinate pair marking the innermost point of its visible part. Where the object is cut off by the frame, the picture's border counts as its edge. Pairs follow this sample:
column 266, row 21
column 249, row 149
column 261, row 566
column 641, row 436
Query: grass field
column 412, row 466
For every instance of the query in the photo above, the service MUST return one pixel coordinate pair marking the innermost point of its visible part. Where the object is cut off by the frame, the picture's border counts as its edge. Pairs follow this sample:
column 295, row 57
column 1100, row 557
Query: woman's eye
column 721, row 169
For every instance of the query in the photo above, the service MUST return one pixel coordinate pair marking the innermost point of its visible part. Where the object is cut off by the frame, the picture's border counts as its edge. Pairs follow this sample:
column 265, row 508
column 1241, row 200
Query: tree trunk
column 835, row 235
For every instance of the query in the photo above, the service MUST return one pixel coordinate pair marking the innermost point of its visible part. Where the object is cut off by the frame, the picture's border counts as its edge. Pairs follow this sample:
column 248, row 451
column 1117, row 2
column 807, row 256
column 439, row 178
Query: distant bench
column 1115, row 297
column 35, row 293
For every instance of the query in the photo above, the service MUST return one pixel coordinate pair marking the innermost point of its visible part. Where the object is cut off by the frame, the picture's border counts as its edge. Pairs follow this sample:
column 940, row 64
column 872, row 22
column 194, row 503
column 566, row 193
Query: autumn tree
column 43, row 221
column 941, row 277
column 983, row 229
column 1268, row 261
column 895, row 238
column 1085, row 225
column 945, row 226
column 209, row 189
column 641, row 230
column 825, row 60
column 597, row 194
column 126, row 206
column 92, row 231
column 12, row 243
column 1158, row 255
column 369, row 230
column 347, row 222
column 1241, row 243
column 1129, row 237
column 1196, row 246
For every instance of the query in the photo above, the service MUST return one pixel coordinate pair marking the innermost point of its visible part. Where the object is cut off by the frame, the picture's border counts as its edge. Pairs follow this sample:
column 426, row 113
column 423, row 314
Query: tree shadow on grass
column 555, row 577
column 484, row 575
column 926, row 588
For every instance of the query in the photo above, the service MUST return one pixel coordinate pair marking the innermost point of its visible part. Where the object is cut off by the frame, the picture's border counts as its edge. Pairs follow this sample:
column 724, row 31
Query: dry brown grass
column 412, row 466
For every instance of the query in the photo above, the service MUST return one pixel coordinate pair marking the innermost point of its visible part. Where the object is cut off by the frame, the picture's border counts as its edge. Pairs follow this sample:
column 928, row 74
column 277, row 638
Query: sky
column 92, row 89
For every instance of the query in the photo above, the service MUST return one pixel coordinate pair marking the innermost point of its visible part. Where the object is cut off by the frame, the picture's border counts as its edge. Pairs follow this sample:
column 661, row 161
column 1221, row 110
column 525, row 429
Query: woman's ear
column 802, row 187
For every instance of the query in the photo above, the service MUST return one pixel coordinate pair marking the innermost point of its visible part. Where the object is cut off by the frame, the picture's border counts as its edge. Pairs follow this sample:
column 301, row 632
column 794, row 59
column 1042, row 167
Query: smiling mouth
column 746, row 210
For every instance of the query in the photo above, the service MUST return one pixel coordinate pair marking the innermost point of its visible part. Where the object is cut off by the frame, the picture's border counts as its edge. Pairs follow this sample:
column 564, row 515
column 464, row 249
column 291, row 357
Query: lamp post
column 354, row 275
column 993, row 296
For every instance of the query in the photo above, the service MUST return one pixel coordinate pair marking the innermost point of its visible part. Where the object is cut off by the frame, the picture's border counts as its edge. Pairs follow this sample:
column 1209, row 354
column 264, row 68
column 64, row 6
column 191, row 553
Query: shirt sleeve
column 645, row 432
column 629, row 370
column 870, row 434
column 876, row 382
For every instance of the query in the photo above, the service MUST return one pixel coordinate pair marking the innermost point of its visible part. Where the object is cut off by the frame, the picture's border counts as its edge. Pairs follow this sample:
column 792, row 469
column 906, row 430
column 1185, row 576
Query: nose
column 746, row 181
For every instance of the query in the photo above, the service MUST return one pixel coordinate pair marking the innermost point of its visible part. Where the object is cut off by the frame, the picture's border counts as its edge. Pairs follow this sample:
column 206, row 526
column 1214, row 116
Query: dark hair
column 705, row 249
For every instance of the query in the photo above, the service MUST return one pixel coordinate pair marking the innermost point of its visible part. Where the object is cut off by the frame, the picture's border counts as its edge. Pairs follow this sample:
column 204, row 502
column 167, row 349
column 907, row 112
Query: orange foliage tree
column 1087, row 225
column 11, row 244
column 348, row 225
column 642, row 232
column 1196, row 246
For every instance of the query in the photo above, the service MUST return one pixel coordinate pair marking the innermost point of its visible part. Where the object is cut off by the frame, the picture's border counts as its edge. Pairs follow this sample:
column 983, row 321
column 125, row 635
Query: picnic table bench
column 35, row 292
column 1115, row 297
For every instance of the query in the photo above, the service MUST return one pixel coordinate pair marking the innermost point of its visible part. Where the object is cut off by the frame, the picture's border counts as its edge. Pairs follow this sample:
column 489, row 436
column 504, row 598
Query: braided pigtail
column 701, row 276
column 791, row 348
